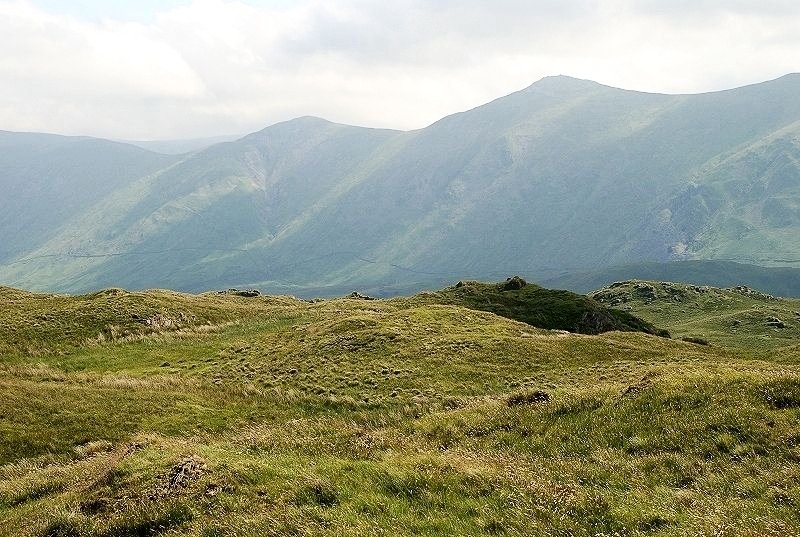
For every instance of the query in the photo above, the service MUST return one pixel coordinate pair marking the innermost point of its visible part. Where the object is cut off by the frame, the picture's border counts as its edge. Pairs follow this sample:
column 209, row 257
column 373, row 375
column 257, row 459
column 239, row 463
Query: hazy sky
column 147, row 69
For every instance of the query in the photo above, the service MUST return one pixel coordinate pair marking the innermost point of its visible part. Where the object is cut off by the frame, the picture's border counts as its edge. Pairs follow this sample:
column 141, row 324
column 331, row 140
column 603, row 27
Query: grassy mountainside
column 274, row 416
column 565, row 175
column 46, row 181
column 758, row 223
column 540, row 307
column 198, row 223
column 737, row 317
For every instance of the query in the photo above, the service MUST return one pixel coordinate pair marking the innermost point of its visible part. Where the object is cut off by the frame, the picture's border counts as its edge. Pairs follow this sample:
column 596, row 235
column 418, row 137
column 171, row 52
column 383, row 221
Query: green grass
column 273, row 416
column 737, row 317
column 544, row 308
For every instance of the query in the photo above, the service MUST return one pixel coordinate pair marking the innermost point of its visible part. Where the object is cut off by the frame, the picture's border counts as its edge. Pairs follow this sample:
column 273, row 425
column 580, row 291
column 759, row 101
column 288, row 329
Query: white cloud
column 219, row 66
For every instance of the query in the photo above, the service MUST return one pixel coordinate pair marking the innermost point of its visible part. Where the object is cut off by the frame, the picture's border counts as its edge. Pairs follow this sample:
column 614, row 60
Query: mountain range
column 565, row 176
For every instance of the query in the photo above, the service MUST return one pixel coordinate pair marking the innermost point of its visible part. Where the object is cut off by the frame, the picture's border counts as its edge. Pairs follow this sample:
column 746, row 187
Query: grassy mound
column 540, row 307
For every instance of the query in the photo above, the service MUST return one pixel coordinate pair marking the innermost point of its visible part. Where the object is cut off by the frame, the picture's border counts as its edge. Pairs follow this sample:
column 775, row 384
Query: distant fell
column 564, row 176
column 181, row 146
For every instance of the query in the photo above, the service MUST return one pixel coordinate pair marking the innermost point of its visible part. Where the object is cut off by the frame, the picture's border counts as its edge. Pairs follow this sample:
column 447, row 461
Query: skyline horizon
column 232, row 136
column 184, row 69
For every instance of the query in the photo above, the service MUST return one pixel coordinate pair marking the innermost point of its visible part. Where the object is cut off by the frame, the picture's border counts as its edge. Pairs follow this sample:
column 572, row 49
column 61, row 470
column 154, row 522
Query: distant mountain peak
column 302, row 121
column 790, row 76
column 309, row 119
column 563, row 82
column 562, row 79
column 298, row 123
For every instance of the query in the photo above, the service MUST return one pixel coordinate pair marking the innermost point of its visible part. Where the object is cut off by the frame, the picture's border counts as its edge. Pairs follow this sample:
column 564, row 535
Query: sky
column 169, row 69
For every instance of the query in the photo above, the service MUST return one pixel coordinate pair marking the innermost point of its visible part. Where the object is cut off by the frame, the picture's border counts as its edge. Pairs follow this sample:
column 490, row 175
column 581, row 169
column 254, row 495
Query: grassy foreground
column 128, row 414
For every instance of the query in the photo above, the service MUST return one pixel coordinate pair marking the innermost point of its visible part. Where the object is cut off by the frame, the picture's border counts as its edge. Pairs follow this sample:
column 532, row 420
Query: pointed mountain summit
column 563, row 83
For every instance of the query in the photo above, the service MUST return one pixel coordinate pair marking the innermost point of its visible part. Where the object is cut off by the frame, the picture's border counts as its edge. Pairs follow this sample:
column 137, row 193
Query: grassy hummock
column 544, row 308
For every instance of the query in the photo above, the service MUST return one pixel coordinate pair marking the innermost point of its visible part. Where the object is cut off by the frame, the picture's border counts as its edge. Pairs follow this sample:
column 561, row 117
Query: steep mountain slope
column 566, row 175
column 46, row 180
column 748, row 205
column 200, row 223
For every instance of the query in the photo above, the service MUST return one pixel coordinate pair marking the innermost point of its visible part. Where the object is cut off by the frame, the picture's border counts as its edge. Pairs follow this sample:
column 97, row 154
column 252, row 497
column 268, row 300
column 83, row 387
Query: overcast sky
column 147, row 69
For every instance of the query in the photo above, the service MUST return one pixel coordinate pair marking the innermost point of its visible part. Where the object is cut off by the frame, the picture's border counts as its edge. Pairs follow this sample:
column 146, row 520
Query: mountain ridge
column 549, row 79
column 536, row 182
